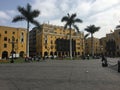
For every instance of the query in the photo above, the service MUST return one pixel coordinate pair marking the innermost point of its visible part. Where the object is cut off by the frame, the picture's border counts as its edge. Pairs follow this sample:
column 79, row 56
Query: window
column 5, row 38
column 51, row 42
column 51, row 47
column 78, row 47
column 22, row 38
column 45, row 40
column 5, row 45
column 78, row 43
column 45, row 47
column 13, row 32
column 22, row 33
column 5, row 32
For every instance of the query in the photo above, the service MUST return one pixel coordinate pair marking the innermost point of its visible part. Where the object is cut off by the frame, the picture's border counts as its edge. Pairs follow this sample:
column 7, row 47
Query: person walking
column 104, row 61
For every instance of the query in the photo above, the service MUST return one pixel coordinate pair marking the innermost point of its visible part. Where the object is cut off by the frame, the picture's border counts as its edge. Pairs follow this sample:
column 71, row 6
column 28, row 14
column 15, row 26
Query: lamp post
column 13, row 46
column 0, row 46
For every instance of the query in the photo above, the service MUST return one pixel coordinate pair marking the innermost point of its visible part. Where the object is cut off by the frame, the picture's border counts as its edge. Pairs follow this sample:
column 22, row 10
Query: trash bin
column 118, row 66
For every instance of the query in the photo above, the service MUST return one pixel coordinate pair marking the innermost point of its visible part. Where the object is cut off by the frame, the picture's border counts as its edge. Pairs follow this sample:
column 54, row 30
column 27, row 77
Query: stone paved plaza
column 59, row 75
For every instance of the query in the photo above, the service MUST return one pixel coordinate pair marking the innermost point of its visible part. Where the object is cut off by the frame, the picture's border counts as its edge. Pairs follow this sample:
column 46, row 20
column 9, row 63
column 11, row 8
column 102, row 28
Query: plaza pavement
column 59, row 75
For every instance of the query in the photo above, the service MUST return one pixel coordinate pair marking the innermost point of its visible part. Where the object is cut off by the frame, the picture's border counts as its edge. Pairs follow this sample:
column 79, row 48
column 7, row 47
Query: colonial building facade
column 54, row 40
column 96, row 45
column 12, row 40
column 103, row 45
column 32, row 42
column 111, row 43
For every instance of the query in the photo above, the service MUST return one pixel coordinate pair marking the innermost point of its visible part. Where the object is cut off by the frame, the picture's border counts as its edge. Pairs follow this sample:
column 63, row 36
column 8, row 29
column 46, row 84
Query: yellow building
column 111, row 43
column 12, row 36
column 103, row 45
column 96, row 45
column 117, row 41
column 54, row 40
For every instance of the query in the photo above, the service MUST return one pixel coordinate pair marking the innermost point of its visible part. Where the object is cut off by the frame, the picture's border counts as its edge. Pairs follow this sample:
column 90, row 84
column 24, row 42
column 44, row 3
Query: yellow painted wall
column 51, row 33
column 96, row 46
column 10, row 32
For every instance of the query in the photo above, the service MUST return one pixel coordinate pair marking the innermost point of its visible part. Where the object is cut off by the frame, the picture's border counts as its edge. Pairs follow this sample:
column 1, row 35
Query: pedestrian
column 88, row 56
column 104, row 61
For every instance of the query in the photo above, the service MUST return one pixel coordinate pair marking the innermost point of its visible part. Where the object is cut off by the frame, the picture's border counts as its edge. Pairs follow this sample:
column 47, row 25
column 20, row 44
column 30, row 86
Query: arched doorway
column 55, row 53
column 4, row 54
column 45, row 53
column 22, row 54
column 51, row 53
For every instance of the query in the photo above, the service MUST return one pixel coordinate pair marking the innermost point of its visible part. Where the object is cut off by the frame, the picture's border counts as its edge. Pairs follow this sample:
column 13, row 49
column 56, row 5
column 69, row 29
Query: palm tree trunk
column 84, row 47
column 27, row 40
column 92, row 49
column 70, row 44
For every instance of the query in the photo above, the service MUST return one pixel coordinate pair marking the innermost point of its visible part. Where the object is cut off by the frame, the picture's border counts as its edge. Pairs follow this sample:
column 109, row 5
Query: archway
column 22, row 54
column 55, row 53
column 51, row 53
column 45, row 53
column 5, row 54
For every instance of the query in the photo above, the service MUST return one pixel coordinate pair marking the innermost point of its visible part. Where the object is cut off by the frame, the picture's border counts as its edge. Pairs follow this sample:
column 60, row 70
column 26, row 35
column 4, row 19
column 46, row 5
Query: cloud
column 4, row 18
column 47, row 8
column 107, row 20
column 4, row 15
column 100, row 5
column 11, row 12
column 103, row 13
column 64, row 6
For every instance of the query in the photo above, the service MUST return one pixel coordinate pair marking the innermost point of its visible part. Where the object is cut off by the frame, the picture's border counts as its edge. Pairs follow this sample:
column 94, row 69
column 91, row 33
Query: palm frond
column 28, row 7
column 92, row 29
column 22, row 10
column 35, row 23
column 73, row 16
column 35, row 13
column 18, row 18
column 65, row 18
column 65, row 27
column 68, row 15
column 78, row 20
column 70, row 21
column 86, row 35
column 76, row 27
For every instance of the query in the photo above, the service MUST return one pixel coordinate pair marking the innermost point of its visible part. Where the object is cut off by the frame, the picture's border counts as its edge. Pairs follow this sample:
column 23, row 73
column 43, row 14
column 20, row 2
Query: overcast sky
column 102, row 13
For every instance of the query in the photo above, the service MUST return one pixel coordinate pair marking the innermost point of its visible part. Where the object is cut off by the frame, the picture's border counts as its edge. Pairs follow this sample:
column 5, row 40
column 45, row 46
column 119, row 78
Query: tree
column 92, row 29
column 28, row 15
column 70, row 22
column 85, row 37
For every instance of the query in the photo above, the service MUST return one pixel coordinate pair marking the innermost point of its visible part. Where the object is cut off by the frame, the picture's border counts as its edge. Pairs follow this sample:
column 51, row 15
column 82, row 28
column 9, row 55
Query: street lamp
column 0, row 46
column 13, row 46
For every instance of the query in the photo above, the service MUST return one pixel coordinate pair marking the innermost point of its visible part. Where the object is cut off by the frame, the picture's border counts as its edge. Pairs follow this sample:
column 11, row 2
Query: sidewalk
column 113, row 61
column 59, row 75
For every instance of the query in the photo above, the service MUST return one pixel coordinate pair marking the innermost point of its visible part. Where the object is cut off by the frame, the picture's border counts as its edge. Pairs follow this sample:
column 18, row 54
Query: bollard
column 118, row 66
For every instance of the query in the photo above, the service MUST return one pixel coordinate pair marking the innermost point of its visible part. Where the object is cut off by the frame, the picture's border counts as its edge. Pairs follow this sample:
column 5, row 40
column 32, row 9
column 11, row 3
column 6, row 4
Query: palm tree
column 92, row 29
column 85, row 37
column 28, row 15
column 70, row 22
